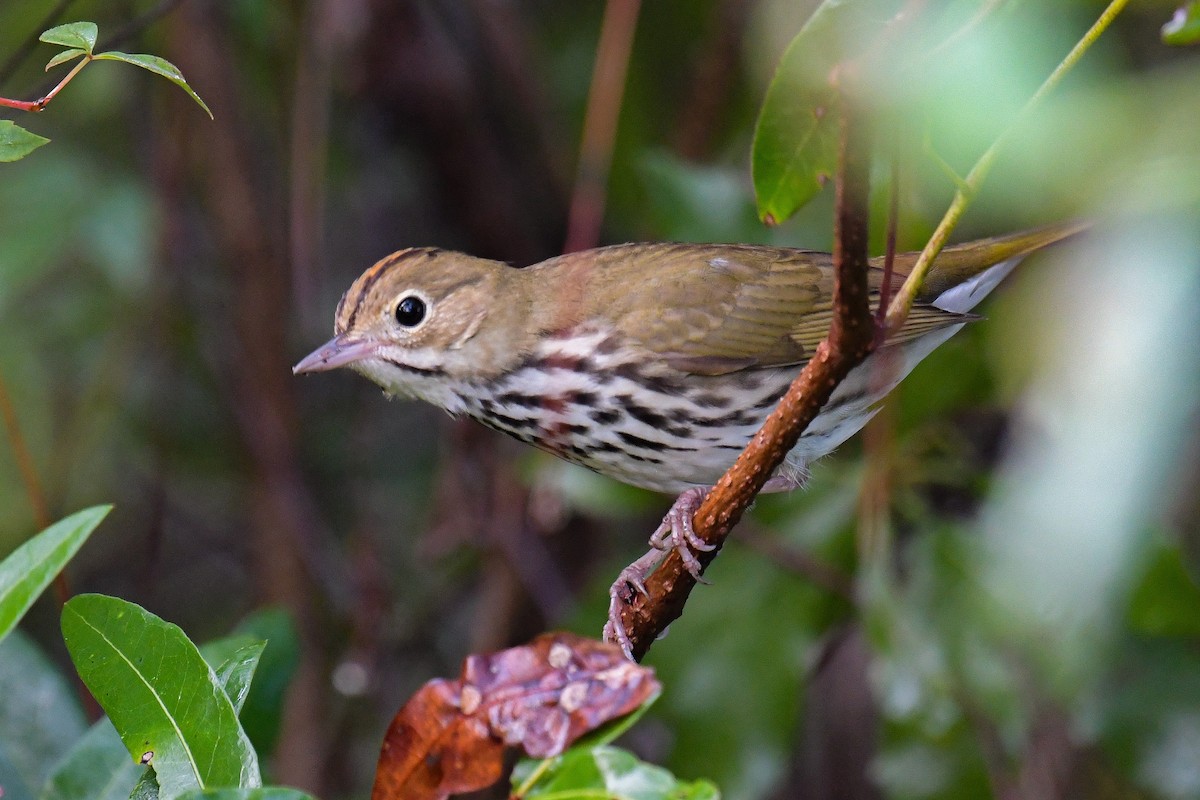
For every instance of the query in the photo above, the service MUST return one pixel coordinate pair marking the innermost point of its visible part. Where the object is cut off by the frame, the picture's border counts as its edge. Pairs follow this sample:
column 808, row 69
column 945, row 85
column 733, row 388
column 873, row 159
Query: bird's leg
column 674, row 533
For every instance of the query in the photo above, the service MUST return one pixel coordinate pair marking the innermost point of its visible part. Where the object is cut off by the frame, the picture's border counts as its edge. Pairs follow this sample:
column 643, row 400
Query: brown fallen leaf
column 450, row 736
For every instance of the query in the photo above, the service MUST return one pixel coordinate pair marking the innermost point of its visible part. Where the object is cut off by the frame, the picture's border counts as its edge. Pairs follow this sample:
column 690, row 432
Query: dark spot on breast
column 605, row 417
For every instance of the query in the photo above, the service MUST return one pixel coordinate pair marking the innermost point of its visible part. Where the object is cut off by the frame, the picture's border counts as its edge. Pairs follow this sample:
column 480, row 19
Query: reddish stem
column 600, row 123
column 40, row 104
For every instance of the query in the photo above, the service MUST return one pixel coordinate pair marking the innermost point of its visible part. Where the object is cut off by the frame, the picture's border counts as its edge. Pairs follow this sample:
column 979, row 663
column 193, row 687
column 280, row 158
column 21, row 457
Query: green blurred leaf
column 1184, row 27
column 164, row 700
column 157, row 65
column 795, row 139
column 29, row 569
column 582, row 773
column 76, row 35
column 1167, row 600
column 98, row 767
column 263, row 793
column 263, row 712
column 16, row 142
column 39, row 717
column 64, row 57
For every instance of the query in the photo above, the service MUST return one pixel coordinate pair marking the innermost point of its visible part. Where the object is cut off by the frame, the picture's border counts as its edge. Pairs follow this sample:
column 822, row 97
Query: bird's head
column 422, row 319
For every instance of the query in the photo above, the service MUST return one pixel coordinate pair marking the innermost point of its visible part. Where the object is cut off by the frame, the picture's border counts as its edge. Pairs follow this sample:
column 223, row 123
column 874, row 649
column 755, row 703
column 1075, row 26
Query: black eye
column 410, row 311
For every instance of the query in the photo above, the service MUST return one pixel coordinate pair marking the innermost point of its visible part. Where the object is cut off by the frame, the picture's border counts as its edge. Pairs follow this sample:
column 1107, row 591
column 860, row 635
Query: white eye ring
column 411, row 311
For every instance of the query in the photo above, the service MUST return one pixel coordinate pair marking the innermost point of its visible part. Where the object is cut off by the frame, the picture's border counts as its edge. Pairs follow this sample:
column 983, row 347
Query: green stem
column 898, row 310
column 41, row 103
column 533, row 778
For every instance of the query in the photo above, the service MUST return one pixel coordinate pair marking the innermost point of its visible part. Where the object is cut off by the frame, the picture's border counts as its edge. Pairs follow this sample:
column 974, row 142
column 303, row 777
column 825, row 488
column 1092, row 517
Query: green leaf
column 29, row 569
column 235, row 670
column 159, row 66
column 39, row 716
column 98, row 767
column 606, row 734
column 233, row 659
column 263, row 713
column 1184, row 27
column 164, row 700
column 608, row 772
column 16, row 142
column 795, row 139
column 76, row 35
column 64, row 57
column 264, row 793
column 1167, row 600
column 147, row 786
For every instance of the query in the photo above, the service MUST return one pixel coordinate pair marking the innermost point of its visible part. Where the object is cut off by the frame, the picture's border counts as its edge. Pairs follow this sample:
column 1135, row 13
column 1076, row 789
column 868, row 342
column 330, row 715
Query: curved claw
column 632, row 577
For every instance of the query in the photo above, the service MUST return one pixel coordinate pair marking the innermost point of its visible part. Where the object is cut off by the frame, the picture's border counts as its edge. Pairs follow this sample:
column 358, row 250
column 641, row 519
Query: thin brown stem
column 850, row 339
column 29, row 476
column 889, row 257
column 600, row 124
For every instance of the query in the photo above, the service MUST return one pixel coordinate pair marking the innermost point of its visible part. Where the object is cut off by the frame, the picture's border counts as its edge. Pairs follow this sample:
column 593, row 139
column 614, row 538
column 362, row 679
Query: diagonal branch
column 850, row 340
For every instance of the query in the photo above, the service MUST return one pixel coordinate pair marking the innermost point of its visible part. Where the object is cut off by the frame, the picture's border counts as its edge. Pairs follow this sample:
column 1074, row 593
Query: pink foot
column 675, row 533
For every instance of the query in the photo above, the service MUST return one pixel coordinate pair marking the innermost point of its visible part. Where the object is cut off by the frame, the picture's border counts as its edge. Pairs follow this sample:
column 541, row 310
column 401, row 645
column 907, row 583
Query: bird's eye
column 410, row 311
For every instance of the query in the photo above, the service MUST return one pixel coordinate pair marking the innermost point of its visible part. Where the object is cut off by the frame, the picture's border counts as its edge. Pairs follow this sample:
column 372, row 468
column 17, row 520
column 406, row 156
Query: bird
column 651, row 363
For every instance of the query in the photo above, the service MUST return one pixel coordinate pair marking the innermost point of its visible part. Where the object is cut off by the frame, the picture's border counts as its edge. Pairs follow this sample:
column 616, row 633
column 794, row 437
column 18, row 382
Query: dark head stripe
column 368, row 280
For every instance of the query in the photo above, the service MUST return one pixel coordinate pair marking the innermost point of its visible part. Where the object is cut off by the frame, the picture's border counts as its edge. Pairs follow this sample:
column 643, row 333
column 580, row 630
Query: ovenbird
column 651, row 363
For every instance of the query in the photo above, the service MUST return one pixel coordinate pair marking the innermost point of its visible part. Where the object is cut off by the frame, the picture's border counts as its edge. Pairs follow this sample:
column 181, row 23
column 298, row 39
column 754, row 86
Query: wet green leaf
column 157, row 65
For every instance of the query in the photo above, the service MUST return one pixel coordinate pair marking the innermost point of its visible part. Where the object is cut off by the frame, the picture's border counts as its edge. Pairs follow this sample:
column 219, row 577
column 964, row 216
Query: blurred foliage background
column 967, row 601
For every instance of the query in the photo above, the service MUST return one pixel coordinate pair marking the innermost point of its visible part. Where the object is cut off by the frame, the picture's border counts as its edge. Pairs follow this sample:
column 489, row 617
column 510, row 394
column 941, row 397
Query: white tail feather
column 962, row 298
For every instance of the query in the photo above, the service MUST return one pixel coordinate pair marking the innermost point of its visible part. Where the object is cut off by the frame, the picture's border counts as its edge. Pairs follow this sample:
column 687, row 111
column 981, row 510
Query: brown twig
column 850, row 340
column 600, row 123
column 29, row 476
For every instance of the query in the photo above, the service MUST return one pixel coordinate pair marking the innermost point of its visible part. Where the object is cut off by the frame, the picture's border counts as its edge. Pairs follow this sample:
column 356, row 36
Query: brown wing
column 714, row 309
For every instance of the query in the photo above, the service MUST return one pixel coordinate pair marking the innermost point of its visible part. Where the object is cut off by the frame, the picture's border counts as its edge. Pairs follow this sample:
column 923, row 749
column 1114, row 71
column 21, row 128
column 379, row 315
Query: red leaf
column 450, row 736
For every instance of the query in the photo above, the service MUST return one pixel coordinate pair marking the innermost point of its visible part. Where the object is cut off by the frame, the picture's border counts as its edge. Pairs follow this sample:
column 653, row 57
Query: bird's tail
column 964, row 274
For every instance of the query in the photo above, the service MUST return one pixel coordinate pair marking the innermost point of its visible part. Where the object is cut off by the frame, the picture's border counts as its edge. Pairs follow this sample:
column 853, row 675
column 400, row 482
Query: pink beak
column 337, row 352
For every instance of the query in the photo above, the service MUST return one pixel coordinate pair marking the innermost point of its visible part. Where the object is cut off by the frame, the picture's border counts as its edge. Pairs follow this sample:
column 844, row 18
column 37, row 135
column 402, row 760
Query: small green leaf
column 64, row 57
column 159, row 66
column 162, row 697
column 97, row 767
column 795, row 139
column 236, row 671
column 1184, row 27
column 611, row 773
column 76, row 35
column 147, row 786
column 16, row 142
column 29, row 569
column 264, row 793
column 263, row 713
